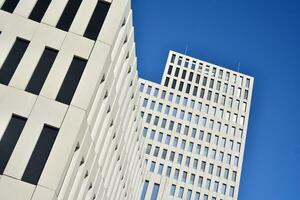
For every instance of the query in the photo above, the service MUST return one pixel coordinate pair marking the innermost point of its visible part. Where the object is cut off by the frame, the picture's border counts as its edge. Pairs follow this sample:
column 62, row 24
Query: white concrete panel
column 45, row 111
column 83, row 16
column 25, row 7
column 42, row 193
column 11, row 188
column 96, row 66
column 54, row 12
column 45, row 36
column 73, row 45
column 66, row 142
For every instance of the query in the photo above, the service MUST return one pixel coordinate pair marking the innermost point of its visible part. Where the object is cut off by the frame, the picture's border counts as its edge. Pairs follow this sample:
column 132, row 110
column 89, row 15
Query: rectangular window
column 172, row 190
column 170, row 70
column 145, row 187
column 71, row 80
column 95, row 24
column 12, row 60
column 41, row 71
column 155, row 192
column 39, row 10
column 68, row 15
column 173, row 83
column 10, row 5
column 10, row 139
column 40, row 155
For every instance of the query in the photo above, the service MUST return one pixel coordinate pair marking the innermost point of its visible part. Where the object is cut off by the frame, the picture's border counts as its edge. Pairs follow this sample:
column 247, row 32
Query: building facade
column 69, row 101
column 195, row 126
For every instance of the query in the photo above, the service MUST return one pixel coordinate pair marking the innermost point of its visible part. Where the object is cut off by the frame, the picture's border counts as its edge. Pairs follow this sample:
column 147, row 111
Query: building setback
column 195, row 126
column 69, row 102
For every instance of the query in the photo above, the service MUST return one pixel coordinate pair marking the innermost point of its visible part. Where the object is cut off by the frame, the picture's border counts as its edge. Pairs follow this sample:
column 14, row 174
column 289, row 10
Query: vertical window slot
column 95, row 24
column 41, row 71
column 12, row 60
column 10, row 5
column 40, row 155
column 71, row 80
column 10, row 139
column 39, row 10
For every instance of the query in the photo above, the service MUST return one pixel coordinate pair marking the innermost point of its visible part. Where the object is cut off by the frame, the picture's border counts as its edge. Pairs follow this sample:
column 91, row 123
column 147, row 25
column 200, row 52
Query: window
column 175, row 142
column 226, row 173
column 160, row 135
column 189, row 195
column 152, row 134
column 236, row 161
column 173, row 58
column 172, row 155
column 204, row 81
column 233, row 178
column 145, row 131
column 68, row 15
column 211, row 83
column 142, row 87
column 211, row 169
column 179, row 159
column 218, row 172
column 97, row 19
column 200, row 181
column 216, row 186
column 168, row 172
column 170, row 69
column 148, row 149
column 145, row 187
column 10, row 5
column 197, row 196
column 173, row 83
column 176, row 174
column 176, row 72
column 184, row 175
column 187, row 161
column 39, row 10
column 231, row 191
column 208, row 181
column 170, row 97
column 71, row 80
column 13, row 58
column 167, row 81
column 168, row 139
column 183, row 74
column 152, row 105
column 177, row 100
column 163, row 94
column 174, row 112
column 155, row 92
column 179, row 60
column 152, row 166
column 172, row 190
column 160, row 169
column 242, row 120
column 40, row 155
column 159, row 107
column 154, row 191
column 156, row 151
column 191, row 76
column 183, row 144
column 9, row 139
column 167, row 110
column 198, row 149
column 223, row 191
column 180, row 192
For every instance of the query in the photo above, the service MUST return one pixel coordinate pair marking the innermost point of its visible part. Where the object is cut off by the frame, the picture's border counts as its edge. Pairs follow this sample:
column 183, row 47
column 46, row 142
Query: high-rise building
column 69, row 101
column 195, row 126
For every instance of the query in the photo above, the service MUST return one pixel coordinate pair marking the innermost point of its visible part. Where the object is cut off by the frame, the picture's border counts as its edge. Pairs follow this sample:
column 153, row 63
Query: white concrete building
column 195, row 125
column 69, row 101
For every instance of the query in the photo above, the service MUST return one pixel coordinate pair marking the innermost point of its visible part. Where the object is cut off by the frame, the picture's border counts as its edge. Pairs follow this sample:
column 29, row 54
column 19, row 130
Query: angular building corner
column 69, row 101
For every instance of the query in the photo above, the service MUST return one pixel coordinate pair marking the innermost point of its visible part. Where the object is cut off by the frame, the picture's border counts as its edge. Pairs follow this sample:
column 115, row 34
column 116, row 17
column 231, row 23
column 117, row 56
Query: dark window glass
column 197, row 78
column 173, row 58
column 39, row 10
column 174, row 83
column 180, row 86
column 68, row 14
column 41, row 71
column 10, row 139
column 170, row 69
column 183, row 74
column 195, row 90
column 188, row 88
column 71, row 80
column 146, row 183
column 10, row 5
column 40, row 155
column 167, row 81
column 176, row 71
column 12, row 60
column 155, row 192
column 95, row 24
column 191, row 76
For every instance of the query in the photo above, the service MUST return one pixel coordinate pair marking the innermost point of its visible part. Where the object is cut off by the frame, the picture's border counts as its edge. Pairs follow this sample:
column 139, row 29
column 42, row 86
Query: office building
column 195, row 127
column 69, row 101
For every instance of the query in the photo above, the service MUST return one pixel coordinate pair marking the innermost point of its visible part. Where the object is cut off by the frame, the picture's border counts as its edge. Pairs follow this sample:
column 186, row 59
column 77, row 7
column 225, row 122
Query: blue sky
column 264, row 36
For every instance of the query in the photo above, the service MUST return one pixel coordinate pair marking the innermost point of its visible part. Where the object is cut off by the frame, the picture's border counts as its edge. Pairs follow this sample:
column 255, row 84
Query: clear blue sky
column 264, row 36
